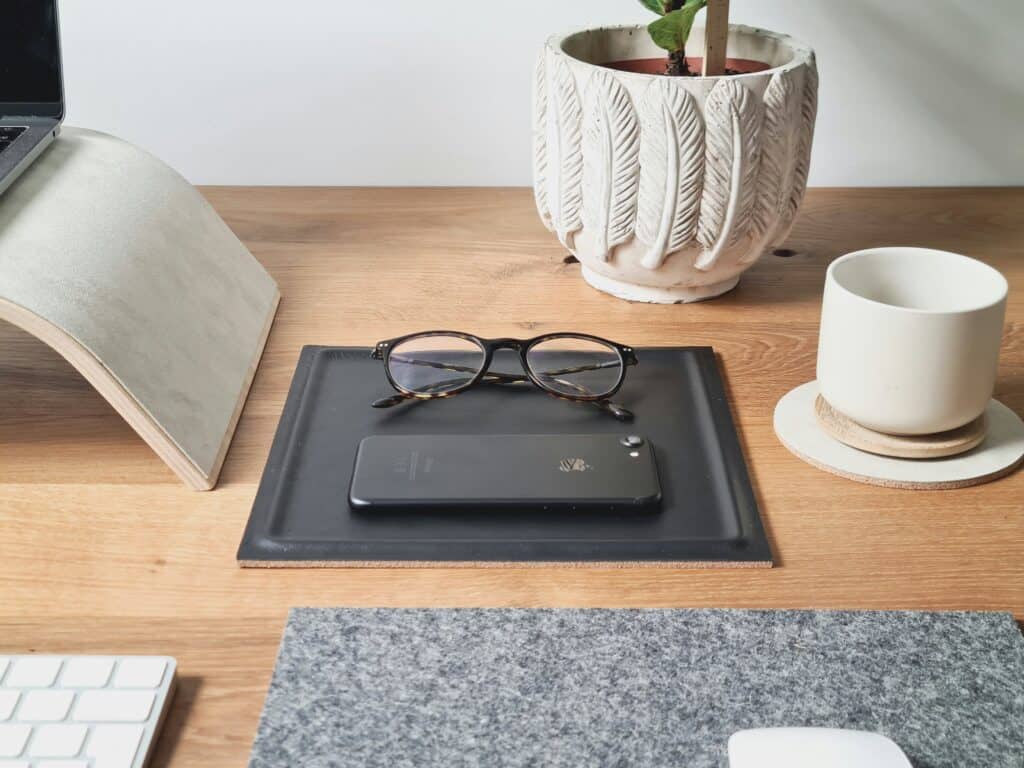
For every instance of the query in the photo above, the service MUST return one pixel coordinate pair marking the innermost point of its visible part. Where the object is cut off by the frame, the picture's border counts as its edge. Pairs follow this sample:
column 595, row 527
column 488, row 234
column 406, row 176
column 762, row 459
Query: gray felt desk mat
column 506, row 687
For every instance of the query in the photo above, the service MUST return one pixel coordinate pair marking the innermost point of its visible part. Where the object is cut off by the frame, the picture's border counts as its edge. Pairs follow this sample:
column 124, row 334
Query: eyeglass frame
column 627, row 357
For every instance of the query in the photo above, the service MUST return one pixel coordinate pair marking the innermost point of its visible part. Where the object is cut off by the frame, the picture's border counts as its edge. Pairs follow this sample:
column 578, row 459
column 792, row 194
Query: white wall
column 412, row 92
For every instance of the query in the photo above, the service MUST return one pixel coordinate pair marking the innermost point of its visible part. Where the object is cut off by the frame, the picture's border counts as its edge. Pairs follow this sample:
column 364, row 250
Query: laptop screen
column 29, row 53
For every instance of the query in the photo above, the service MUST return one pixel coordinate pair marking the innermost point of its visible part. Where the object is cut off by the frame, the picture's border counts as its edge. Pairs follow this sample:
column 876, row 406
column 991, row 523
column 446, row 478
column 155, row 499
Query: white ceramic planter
column 667, row 189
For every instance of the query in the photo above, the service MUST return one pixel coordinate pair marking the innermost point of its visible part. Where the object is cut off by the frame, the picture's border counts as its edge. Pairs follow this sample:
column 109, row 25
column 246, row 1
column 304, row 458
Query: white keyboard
column 82, row 711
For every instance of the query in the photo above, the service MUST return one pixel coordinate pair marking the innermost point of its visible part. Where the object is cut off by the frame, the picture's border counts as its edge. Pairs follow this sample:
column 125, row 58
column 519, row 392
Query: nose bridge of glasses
column 506, row 343
column 505, row 358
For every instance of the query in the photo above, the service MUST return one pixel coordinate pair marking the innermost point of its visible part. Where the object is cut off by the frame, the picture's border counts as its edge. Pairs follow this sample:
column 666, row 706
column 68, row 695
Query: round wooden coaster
column 937, row 446
column 999, row 454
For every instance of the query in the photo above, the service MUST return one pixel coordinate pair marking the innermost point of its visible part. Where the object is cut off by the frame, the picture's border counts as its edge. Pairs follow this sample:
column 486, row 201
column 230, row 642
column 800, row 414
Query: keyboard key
column 114, row 746
column 8, row 701
column 45, row 706
column 81, row 711
column 114, row 706
column 140, row 673
column 13, row 738
column 57, row 740
column 87, row 672
column 33, row 672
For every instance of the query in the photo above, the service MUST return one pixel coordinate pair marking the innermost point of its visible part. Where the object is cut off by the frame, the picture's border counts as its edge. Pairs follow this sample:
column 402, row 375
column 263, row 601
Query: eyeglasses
column 571, row 366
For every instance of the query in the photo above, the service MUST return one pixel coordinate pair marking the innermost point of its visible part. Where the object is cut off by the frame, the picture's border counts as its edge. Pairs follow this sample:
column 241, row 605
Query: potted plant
column 667, row 184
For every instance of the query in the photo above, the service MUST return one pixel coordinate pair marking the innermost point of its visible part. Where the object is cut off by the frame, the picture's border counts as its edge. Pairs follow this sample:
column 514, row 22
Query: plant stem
column 677, row 64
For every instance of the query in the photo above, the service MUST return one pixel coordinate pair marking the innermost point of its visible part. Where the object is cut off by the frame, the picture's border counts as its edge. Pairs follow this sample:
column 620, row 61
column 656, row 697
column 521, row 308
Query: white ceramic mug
column 909, row 341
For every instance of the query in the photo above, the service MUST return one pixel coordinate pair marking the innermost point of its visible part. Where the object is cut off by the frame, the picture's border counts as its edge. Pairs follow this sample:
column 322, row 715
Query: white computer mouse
column 813, row 748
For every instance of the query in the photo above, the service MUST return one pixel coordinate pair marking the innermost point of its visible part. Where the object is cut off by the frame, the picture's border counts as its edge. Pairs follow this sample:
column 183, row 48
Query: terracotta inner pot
column 657, row 66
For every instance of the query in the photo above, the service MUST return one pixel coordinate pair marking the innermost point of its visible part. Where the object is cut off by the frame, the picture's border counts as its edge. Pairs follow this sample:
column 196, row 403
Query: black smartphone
column 547, row 472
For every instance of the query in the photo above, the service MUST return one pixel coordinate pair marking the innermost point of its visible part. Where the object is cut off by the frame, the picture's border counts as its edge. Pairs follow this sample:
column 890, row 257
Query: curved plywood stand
column 114, row 260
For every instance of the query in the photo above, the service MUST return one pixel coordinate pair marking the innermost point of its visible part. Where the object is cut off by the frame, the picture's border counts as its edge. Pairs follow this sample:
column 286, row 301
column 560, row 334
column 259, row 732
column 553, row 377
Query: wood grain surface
column 103, row 550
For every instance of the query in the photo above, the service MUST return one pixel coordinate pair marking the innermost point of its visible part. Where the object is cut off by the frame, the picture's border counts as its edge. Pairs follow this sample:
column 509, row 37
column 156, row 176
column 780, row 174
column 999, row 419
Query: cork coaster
column 937, row 446
column 999, row 454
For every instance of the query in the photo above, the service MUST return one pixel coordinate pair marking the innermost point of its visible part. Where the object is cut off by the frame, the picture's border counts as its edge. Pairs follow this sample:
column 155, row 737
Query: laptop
column 31, row 84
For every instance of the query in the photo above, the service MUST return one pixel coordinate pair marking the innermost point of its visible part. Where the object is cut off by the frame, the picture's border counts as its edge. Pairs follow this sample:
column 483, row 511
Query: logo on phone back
column 573, row 465
column 413, row 464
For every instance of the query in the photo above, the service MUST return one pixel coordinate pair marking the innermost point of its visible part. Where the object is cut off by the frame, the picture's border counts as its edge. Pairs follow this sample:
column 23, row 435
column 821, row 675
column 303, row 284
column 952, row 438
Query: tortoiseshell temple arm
column 494, row 377
column 508, row 377
column 619, row 412
column 616, row 410
column 489, row 378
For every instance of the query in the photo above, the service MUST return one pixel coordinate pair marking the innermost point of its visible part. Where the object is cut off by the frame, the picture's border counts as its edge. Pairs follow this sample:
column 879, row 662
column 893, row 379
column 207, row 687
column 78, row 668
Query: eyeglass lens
column 435, row 364
column 576, row 367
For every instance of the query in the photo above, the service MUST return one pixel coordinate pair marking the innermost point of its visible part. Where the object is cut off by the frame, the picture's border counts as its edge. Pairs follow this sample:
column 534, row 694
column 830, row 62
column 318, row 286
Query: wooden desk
column 103, row 550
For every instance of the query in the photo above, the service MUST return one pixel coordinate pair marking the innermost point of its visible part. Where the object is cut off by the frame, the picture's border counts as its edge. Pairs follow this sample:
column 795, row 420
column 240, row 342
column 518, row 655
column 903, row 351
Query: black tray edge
column 254, row 544
column 728, row 435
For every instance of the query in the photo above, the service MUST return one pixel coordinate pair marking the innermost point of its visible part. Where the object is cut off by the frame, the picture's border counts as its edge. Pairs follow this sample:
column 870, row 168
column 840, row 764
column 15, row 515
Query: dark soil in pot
column 659, row 66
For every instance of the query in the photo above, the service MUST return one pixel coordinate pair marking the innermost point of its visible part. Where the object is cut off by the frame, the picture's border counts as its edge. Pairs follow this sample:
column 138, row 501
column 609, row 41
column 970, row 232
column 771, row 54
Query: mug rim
column 1004, row 286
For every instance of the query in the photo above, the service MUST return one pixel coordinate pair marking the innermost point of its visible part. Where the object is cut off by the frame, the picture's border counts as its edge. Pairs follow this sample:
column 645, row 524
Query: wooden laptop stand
column 120, row 265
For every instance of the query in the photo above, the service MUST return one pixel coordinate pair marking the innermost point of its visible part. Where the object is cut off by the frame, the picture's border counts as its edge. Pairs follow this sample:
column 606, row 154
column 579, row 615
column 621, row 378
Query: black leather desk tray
column 708, row 516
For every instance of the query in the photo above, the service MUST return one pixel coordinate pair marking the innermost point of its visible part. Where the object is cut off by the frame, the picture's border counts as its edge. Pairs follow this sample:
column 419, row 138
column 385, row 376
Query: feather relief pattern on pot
column 540, row 140
column 611, row 164
column 666, row 189
column 564, row 148
column 778, row 147
column 732, row 117
column 671, row 171
column 802, row 160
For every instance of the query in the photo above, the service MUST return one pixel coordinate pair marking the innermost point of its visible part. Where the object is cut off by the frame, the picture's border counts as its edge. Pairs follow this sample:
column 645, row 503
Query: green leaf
column 657, row 6
column 672, row 30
